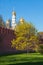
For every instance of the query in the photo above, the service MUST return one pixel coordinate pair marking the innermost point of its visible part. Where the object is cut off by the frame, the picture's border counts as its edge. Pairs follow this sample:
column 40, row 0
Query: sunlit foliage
column 26, row 37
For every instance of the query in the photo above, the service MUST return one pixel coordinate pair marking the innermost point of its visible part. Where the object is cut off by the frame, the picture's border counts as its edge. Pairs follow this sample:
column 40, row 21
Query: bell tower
column 13, row 20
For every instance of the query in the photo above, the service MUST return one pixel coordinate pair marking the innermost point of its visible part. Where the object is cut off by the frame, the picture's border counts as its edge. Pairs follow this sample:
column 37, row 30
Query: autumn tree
column 26, row 37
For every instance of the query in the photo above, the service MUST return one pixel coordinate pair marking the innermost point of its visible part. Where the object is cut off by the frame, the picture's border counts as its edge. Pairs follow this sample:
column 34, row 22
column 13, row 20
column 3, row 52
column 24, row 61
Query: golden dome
column 21, row 20
column 14, row 13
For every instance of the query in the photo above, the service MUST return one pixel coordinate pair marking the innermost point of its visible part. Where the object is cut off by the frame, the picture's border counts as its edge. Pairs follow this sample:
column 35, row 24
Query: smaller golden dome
column 14, row 13
column 21, row 20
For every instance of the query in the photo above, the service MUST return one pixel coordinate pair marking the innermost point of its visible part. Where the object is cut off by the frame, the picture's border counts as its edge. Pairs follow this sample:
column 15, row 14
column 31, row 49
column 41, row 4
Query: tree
column 41, row 48
column 34, row 43
column 2, row 24
column 26, row 37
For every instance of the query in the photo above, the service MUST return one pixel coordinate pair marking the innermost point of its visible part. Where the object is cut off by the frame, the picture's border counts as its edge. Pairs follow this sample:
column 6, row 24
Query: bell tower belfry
column 13, row 20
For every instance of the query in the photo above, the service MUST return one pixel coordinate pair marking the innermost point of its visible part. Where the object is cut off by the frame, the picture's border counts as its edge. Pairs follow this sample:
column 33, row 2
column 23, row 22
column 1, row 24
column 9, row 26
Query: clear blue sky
column 30, row 10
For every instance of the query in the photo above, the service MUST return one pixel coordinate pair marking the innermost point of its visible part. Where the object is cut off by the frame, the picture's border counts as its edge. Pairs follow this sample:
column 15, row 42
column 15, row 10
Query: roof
column 40, row 32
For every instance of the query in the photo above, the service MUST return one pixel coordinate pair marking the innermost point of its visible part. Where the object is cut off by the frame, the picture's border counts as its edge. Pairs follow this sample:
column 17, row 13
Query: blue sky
column 30, row 10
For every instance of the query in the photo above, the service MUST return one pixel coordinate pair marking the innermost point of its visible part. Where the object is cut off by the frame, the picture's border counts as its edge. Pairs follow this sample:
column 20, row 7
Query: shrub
column 41, row 48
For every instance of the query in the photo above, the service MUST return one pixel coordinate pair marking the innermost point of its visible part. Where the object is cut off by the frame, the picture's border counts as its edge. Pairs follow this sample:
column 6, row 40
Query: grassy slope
column 21, row 58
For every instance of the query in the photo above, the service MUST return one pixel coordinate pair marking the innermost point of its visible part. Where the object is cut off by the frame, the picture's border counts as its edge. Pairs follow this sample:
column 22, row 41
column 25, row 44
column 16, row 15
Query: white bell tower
column 13, row 20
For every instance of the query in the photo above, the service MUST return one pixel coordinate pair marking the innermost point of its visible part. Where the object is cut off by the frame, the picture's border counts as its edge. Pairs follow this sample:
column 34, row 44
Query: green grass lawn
column 22, row 59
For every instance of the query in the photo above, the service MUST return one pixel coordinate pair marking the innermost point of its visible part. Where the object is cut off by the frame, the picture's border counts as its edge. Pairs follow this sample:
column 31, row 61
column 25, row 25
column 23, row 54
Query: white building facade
column 13, row 23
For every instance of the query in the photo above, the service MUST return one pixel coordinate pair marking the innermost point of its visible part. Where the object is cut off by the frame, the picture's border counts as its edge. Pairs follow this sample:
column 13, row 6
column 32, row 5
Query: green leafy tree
column 2, row 24
column 41, row 48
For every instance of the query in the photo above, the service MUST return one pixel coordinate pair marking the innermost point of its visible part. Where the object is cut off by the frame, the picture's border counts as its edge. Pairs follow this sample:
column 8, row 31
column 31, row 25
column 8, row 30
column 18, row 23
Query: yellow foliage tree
column 26, row 37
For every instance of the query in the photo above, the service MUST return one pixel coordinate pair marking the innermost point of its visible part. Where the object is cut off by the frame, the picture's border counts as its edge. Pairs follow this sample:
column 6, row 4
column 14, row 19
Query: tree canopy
column 26, row 37
column 2, row 24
